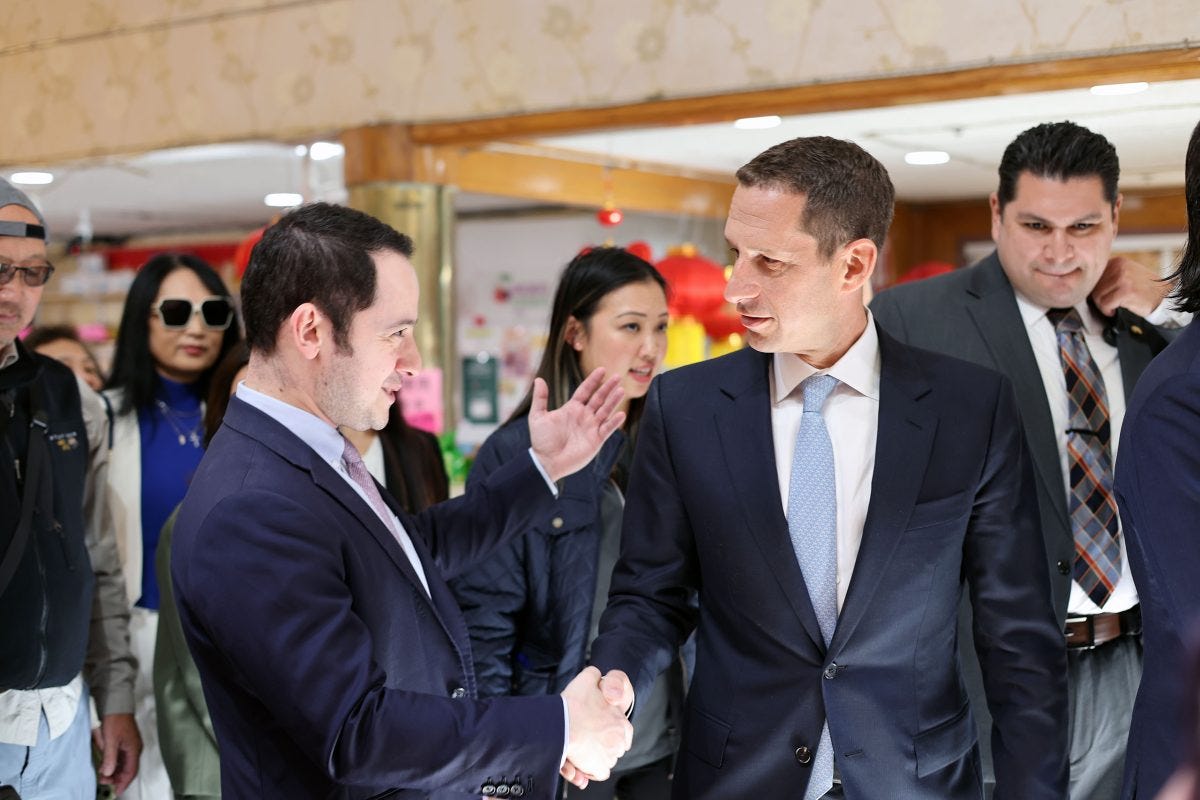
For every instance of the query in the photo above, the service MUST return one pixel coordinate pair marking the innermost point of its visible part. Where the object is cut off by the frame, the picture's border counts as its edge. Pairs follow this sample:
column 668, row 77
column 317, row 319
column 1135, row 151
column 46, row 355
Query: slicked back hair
column 1060, row 151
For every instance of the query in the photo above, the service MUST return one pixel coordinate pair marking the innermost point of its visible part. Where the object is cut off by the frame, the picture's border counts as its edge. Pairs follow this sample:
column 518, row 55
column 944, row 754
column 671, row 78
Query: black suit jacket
column 952, row 505
column 328, row 671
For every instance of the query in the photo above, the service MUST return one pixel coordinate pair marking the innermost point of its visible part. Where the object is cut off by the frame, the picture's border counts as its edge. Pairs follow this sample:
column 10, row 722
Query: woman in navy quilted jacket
column 531, row 617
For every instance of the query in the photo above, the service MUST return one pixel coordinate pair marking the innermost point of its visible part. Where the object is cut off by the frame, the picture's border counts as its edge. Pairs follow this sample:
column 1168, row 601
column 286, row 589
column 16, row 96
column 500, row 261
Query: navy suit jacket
column 1158, row 491
column 952, row 505
column 328, row 670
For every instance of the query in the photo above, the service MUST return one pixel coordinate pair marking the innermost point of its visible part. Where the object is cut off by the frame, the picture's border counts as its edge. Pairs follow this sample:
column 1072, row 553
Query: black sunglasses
column 36, row 275
column 176, row 312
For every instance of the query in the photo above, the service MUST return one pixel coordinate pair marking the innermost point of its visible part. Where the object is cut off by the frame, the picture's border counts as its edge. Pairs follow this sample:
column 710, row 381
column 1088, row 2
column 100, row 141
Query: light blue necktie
column 812, row 523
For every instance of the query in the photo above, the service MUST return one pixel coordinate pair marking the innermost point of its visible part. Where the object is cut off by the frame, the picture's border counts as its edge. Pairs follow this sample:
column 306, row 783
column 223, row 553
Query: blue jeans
column 53, row 769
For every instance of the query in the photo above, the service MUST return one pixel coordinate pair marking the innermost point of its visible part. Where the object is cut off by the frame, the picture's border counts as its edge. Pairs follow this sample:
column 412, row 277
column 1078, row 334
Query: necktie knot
column 1065, row 320
column 816, row 389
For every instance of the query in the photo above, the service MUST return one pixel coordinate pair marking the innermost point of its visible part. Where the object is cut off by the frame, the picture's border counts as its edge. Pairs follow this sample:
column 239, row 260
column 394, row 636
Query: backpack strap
column 37, row 475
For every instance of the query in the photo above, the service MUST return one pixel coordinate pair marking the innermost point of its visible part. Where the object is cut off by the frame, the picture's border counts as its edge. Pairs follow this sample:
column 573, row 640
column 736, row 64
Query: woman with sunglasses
column 178, row 323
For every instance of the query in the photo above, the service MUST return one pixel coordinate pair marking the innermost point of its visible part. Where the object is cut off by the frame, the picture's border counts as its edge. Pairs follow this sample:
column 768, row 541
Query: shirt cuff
column 1167, row 316
column 566, row 726
column 544, row 474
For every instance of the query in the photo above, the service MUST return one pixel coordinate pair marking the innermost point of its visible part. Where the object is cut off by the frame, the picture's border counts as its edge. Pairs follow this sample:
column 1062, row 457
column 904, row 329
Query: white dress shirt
column 852, row 418
column 1044, row 341
column 21, row 712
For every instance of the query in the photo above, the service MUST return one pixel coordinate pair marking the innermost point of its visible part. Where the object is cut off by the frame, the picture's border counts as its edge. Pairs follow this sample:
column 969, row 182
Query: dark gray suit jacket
column 972, row 313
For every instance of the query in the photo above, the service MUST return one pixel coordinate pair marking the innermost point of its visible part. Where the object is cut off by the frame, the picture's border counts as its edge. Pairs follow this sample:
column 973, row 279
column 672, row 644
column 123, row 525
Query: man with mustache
column 1072, row 328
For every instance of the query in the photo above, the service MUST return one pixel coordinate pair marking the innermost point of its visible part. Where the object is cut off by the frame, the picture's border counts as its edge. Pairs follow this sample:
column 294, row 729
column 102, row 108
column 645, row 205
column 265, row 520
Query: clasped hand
column 599, row 732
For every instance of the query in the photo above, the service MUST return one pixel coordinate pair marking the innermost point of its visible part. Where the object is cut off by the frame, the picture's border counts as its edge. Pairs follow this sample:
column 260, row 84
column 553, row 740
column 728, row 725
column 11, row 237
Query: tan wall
column 90, row 77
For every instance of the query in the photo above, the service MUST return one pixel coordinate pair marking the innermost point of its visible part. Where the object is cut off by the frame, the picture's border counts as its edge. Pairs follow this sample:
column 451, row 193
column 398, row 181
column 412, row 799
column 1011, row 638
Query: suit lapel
column 252, row 422
column 744, row 428
column 903, row 445
column 993, row 307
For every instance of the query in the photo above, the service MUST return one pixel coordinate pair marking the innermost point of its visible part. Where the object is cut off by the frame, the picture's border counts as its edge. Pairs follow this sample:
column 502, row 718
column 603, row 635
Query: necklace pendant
column 182, row 441
column 195, row 439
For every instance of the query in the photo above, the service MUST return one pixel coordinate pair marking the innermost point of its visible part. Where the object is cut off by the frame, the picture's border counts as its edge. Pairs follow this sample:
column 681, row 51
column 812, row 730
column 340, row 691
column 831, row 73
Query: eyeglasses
column 176, row 312
column 36, row 275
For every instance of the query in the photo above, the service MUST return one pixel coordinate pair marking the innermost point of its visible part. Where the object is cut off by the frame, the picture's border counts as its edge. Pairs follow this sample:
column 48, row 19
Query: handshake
column 599, row 732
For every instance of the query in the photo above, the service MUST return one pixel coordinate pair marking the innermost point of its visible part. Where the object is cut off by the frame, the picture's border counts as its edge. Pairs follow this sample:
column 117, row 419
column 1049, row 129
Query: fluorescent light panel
column 1116, row 89
column 757, row 123
column 283, row 199
column 32, row 178
column 926, row 157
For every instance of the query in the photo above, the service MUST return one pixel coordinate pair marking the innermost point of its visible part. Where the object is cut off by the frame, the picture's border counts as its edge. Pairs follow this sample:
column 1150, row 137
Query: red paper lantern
column 641, row 250
column 609, row 216
column 723, row 322
column 696, row 285
column 241, row 256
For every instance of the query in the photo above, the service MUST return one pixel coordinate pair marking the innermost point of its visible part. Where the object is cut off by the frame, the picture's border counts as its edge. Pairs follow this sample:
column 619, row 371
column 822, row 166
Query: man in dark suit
column 1051, row 310
column 334, row 660
column 830, row 493
column 1158, row 491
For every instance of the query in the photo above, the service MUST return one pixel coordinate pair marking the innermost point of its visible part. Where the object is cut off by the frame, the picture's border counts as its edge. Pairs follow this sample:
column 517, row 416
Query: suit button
column 831, row 672
column 804, row 755
column 459, row 693
column 502, row 790
column 557, row 522
column 1063, row 567
column 488, row 789
column 516, row 790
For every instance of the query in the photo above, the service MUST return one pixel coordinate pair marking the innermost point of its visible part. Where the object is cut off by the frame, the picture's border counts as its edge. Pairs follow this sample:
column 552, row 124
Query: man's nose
column 739, row 286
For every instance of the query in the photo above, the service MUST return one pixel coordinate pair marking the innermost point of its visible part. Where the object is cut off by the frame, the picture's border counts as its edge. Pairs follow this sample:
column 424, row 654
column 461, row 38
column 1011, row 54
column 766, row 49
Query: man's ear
column 1117, row 212
column 306, row 331
column 858, row 261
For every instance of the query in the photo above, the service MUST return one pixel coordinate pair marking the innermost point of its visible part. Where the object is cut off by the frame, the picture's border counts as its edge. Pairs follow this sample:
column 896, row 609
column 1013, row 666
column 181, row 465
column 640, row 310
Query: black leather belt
column 1093, row 630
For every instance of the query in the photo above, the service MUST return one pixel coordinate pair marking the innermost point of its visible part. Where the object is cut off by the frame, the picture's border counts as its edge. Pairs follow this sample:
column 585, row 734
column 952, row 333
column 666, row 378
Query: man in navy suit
column 1158, row 491
column 830, row 494
column 334, row 660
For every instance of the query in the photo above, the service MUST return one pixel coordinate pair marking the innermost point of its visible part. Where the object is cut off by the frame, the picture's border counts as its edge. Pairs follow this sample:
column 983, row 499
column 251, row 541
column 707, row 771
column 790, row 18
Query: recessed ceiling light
column 323, row 150
column 301, row 150
column 926, row 157
column 32, row 178
column 283, row 199
column 1113, row 89
column 757, row 123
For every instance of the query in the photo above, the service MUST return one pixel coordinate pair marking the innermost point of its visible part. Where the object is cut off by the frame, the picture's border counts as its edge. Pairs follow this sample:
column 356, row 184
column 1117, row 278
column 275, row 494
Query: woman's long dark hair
column 133, row 366
column 221, row 386
column 586, row 281
column 1188, row 272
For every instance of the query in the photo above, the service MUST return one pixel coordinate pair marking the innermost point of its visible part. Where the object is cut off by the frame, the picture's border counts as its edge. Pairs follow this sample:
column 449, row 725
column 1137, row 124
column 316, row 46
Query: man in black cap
column 62, row 599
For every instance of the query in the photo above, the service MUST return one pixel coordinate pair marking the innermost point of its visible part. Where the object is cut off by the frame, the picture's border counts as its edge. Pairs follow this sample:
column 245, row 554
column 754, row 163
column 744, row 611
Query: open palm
column 567, row 438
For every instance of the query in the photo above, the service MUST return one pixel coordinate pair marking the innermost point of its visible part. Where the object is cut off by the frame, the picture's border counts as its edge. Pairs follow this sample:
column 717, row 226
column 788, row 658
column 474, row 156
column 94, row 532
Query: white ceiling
column 221, row 187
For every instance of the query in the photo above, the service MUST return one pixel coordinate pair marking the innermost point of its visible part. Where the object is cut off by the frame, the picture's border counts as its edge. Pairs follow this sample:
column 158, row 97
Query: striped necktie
column 1091, row 503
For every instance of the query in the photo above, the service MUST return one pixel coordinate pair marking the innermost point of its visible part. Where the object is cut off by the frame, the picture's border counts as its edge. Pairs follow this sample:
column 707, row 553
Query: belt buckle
column 1090, row 642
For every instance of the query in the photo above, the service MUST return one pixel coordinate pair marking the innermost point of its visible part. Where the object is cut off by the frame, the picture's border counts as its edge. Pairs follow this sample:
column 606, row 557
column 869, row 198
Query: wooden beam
column 377, row 153
column 1040, row 76
column 561, row 180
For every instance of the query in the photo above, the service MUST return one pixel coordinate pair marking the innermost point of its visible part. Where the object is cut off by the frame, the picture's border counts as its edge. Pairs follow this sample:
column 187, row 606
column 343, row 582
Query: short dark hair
column 319, row 253
column 133, row 366
column 848, row 194
column 1188, row 272
column 1061, row 151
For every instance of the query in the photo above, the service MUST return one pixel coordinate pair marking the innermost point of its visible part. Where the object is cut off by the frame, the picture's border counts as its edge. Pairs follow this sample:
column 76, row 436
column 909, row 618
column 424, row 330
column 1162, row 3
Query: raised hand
column 599, row 732
column 1128, row 284
column 567, row 438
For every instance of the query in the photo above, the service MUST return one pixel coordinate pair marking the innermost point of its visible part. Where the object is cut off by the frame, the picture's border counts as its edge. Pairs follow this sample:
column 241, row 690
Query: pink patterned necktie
column 357, row 469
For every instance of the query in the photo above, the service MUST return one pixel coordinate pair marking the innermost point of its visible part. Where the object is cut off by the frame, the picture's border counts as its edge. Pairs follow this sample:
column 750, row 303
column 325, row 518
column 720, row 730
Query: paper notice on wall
column 421, row 398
